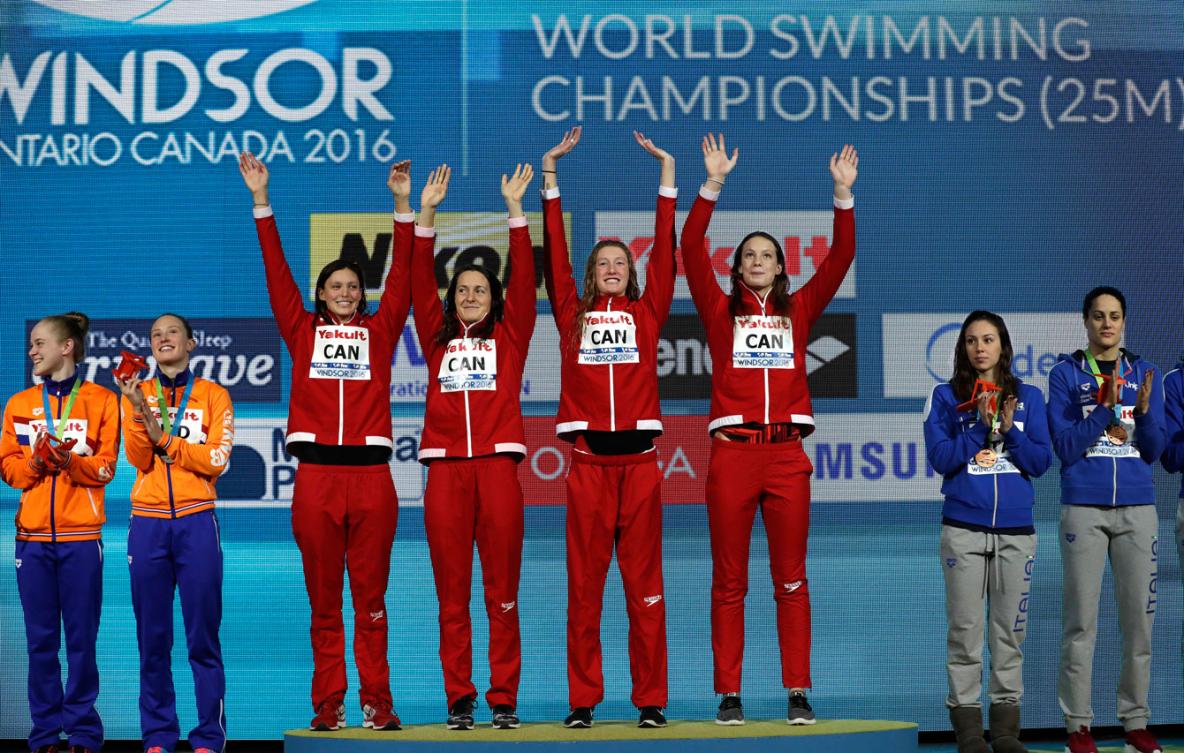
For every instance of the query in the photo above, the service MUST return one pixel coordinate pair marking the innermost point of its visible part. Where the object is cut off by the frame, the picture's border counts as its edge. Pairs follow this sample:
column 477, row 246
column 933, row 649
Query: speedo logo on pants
column 652, row 600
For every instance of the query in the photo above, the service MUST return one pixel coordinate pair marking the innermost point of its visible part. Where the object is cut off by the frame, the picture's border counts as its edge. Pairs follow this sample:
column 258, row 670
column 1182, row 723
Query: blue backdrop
column 1013, row 155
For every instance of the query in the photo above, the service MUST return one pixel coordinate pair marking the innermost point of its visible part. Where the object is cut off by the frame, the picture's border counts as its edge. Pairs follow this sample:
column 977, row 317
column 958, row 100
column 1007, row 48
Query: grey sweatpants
column 1129, row 536
column 997, row 569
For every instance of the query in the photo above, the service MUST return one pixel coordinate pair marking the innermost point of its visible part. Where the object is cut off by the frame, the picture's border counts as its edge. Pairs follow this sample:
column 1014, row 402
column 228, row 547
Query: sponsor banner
column 682, row 454
column 241, row 354
column 261, row 472
column 804, row 236
column 540, row 379
column 871, row 457
column 684, row 361
column 919, row 348
column 461, row 238
column 857, row 457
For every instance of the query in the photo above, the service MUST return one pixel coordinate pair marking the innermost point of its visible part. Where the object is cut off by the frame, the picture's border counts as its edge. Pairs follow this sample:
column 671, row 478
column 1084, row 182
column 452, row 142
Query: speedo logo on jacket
column 995, row 493
column 67, row 506
column 1096, row 469
column 175, row 477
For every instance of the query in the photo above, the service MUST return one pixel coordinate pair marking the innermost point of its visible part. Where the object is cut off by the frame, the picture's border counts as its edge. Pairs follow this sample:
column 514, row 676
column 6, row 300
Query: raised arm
column 817, row 293
column 520, row 309
column 947, row 448
column 396, row 289
column 98, row 468
column 18, row 469
column 425, row 296
column 287, row 305
column 696, row 256
column 557, row 274
column 1030, row 448
column 659, row 268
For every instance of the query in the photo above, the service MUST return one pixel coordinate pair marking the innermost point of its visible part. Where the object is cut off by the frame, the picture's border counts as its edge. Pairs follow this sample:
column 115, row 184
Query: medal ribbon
column 165, row 424
column 65, row 409
column 1097, row 375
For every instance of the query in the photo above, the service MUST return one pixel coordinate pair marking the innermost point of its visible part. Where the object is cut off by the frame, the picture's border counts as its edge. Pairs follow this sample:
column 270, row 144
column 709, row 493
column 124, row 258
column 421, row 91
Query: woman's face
column 47, row 350
column 473, row 299
column 171, row 344
column 1105, row 322
column 758, row 263
column 342, row 293
column 983, row 346
column 612, row 270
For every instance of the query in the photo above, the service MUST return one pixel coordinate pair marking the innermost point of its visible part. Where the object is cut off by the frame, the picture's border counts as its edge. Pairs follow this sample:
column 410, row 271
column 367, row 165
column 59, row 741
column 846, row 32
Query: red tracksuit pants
column 615, row 499
column 343, row 517
column 466, row 501
column 776, row 478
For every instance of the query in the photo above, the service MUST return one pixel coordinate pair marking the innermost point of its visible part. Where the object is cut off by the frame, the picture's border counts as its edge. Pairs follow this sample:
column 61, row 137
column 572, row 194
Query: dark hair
column 964, row 371
column 184, row 322
column 780, row 289
column 1101, row 290
column 497, row 306
column 588, row 298
column 322, row 308
column 72, row 325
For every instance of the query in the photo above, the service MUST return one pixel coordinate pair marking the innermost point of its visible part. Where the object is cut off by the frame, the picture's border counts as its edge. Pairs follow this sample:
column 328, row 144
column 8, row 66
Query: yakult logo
column 172, row 12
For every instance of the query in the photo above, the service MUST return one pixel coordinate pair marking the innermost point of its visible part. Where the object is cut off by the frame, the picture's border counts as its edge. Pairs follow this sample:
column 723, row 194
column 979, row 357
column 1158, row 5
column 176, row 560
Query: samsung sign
column 919, row 348
column 242, row 355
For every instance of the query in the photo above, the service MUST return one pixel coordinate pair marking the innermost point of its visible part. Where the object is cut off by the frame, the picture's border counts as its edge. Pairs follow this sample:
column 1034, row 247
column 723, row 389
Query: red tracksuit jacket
column 610, row 375
column 743, row 390
column 486, row 418
column 341, row 373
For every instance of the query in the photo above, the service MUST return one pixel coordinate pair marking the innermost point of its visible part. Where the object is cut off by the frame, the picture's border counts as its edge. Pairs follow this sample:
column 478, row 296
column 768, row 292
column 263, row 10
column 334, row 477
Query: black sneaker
column 504, row 717
column 731, row 712
column 651, row 716
column 460, row 716
column 799, row 709
column 579, row 718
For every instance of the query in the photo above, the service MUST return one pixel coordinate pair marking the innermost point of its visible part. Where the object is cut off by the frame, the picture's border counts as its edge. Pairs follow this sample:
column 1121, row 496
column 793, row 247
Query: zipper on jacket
column 340, row 411
column 995, row 510
column 53, row 483
column 766, row 369
column 1114, row 484
column 168, row 467
column 612, row 393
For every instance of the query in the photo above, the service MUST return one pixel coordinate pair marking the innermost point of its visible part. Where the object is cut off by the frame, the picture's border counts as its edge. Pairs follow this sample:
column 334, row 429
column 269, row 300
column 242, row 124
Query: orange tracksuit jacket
column 67, row 506
column 184, row 484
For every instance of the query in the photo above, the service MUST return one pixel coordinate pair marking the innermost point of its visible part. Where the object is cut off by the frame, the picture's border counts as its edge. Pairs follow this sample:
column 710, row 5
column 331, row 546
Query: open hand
column 436, row 187
column 255, row 176
column 716, row 159
column 566, row 144
column 1007, row 415
column 1143, row 400
column 514, row 187
column 844, row 169
column 399, row 179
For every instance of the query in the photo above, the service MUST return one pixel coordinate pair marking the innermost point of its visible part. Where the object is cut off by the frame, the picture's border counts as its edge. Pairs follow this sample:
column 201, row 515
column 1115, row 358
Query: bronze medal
column 986, row 458
column 1116, row 433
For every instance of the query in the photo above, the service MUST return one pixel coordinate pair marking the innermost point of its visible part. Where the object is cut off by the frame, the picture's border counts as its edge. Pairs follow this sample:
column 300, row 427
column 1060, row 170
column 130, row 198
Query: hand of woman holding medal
column 130, row 388
column 1143, row 400
column 1007, row 415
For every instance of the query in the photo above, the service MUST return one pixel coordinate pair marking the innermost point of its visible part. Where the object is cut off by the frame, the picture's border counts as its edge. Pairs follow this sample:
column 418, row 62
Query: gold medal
column 986, row 458
column 1116, row 433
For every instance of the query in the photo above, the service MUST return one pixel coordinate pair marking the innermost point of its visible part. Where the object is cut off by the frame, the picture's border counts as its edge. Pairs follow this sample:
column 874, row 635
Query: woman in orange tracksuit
column 178, row 430
column 59, row 553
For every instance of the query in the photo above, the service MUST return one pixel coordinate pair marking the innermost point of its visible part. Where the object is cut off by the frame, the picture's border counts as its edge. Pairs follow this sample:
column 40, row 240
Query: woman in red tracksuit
column 344, row 506
column 475, row 346
column 760, row 410
column 608, row 409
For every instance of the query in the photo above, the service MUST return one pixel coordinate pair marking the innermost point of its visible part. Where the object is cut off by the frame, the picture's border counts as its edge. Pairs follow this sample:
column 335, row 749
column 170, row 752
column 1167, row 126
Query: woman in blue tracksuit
column 1108, row 432
column 988, row 449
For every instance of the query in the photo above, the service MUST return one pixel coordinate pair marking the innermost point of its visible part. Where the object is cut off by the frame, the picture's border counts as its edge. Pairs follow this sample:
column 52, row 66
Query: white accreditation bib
column 1002, row 463
column 468, row 364
column 609, row 337
column 340, row 353
column 75, row 429
column 1105, row 447
column 762, row 342
column 190, row 424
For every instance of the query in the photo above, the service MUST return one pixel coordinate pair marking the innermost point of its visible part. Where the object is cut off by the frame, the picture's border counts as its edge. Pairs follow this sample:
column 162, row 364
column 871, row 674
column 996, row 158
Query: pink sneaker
column 1141, row 741
column 1081, row 741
